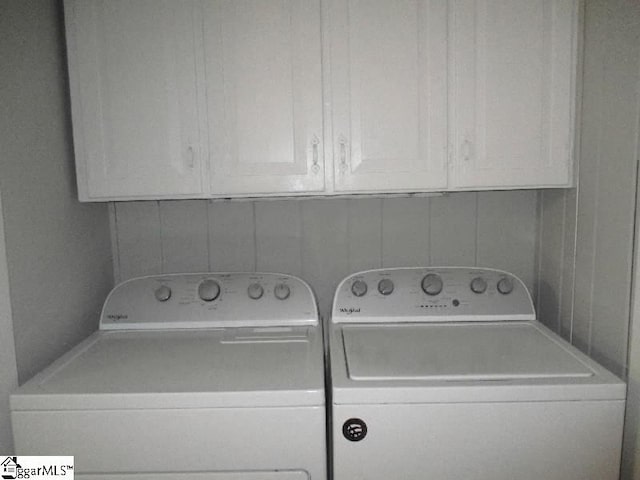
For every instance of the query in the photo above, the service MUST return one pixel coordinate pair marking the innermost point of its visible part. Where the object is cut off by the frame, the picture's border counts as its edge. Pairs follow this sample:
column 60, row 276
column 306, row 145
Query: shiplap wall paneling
column 607, row 200
column 184, row 236
column 231, row 236
column 364, row 233
column 506, row 233
column 607, row 182
column 615, row 203
column 589, row 230
column 325, row 246
column 453, row 226
column 323, row 240
column 139, row 242
column 552, row 233
column 405, row 232
column 8, row 368
column 588, row 185
column 567, row 294
column 556, row 261
column 278, row 231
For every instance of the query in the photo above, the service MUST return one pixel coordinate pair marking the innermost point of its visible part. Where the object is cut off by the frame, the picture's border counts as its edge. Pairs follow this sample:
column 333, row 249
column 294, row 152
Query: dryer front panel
column 190, row 440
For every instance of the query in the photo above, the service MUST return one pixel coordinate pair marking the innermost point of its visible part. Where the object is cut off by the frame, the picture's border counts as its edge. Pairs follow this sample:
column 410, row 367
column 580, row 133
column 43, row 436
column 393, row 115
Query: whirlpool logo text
column 349, row 310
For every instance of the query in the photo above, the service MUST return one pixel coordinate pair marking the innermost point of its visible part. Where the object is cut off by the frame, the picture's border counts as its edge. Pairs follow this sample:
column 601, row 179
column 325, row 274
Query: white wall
column 58, row 250
column 323, row 240
column 630, row 18
column 631, row 445
column 586, row 235
column 8, row 371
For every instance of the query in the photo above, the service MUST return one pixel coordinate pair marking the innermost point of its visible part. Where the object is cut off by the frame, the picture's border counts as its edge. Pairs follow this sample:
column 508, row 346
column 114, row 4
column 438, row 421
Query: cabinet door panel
column 264, row 95
column 388, row 69
column 512, row 90
column 134, row 97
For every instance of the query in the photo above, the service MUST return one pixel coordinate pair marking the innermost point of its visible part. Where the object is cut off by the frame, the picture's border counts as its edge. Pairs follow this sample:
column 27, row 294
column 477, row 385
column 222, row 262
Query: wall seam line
column 538, row 249
column 255, row 237
column 563, row 236
column 209, row 204
column 477, row 229
column 115, row 243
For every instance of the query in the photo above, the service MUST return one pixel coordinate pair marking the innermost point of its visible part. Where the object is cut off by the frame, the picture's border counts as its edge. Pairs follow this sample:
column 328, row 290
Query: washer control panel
column 438, row 294
column 209, row 300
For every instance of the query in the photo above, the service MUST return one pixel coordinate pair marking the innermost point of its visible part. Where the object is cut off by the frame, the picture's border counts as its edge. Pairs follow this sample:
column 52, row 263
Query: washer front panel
column 481, row 441
column 442, row 294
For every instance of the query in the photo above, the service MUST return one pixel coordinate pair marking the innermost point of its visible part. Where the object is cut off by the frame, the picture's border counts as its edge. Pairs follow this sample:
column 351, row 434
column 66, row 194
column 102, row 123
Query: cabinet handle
column 343, row 154
column 191, row 156
column 315, row 168
column 465, row 150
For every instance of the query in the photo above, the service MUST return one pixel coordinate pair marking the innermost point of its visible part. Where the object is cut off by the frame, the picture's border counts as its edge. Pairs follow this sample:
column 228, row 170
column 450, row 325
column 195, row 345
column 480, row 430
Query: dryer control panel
column 440, row 294
column 209, row 300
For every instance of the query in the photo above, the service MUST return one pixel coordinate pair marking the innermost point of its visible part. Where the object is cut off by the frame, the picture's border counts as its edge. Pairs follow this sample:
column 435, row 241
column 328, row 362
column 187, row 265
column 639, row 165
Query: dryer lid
column 238, row 367
column 457, row 352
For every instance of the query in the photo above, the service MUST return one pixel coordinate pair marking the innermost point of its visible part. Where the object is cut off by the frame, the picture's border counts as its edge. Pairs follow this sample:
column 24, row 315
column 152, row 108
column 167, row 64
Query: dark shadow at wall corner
column 613, row 366
column 548, row 306
column 68, row 129
column 629, row 466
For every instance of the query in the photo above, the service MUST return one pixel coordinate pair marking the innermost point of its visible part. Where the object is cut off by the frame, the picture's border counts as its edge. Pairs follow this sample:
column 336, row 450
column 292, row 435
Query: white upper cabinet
column 388, row 62
column 237, row 98
column 264, row 96
column 512, row 93
column 133, row 72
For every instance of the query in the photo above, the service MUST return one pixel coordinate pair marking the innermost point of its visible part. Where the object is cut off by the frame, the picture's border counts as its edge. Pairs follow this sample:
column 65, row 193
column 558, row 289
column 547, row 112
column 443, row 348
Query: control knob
column 208, row 290
column 385, row 286
column 359, row 288
column 478, row 285
column 255, row 291
column 432, row 284
column 162, row 293
column 282, row 291
column 505, row 285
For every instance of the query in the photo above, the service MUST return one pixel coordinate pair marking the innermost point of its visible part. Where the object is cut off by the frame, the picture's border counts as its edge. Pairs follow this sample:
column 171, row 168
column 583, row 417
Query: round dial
column 385, row 286
column 209, row 290
column 478, row 285
column 282, row 291
column 359, row 288
column 432, row 284
column 255, row 291
column 162, row 293
column 505, row 285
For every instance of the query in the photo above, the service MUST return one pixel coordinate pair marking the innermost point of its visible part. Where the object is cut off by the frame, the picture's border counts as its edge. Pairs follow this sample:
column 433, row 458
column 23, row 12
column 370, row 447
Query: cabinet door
column 264, row 94
column 389, row 99
column 513, row 71
column 132, row 68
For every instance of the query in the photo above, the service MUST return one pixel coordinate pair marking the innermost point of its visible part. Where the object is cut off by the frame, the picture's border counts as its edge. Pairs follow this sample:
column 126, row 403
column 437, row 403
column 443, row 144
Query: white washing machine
column 190, row 377
column 444, row 373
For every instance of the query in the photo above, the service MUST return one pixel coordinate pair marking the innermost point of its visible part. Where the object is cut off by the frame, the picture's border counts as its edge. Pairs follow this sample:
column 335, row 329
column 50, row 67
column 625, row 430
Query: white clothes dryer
column 190, row 377
column 445, row 373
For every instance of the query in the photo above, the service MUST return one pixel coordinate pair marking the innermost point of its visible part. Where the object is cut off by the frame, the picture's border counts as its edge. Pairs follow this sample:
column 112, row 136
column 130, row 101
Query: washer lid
column 457, row 352
column 238, row 367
